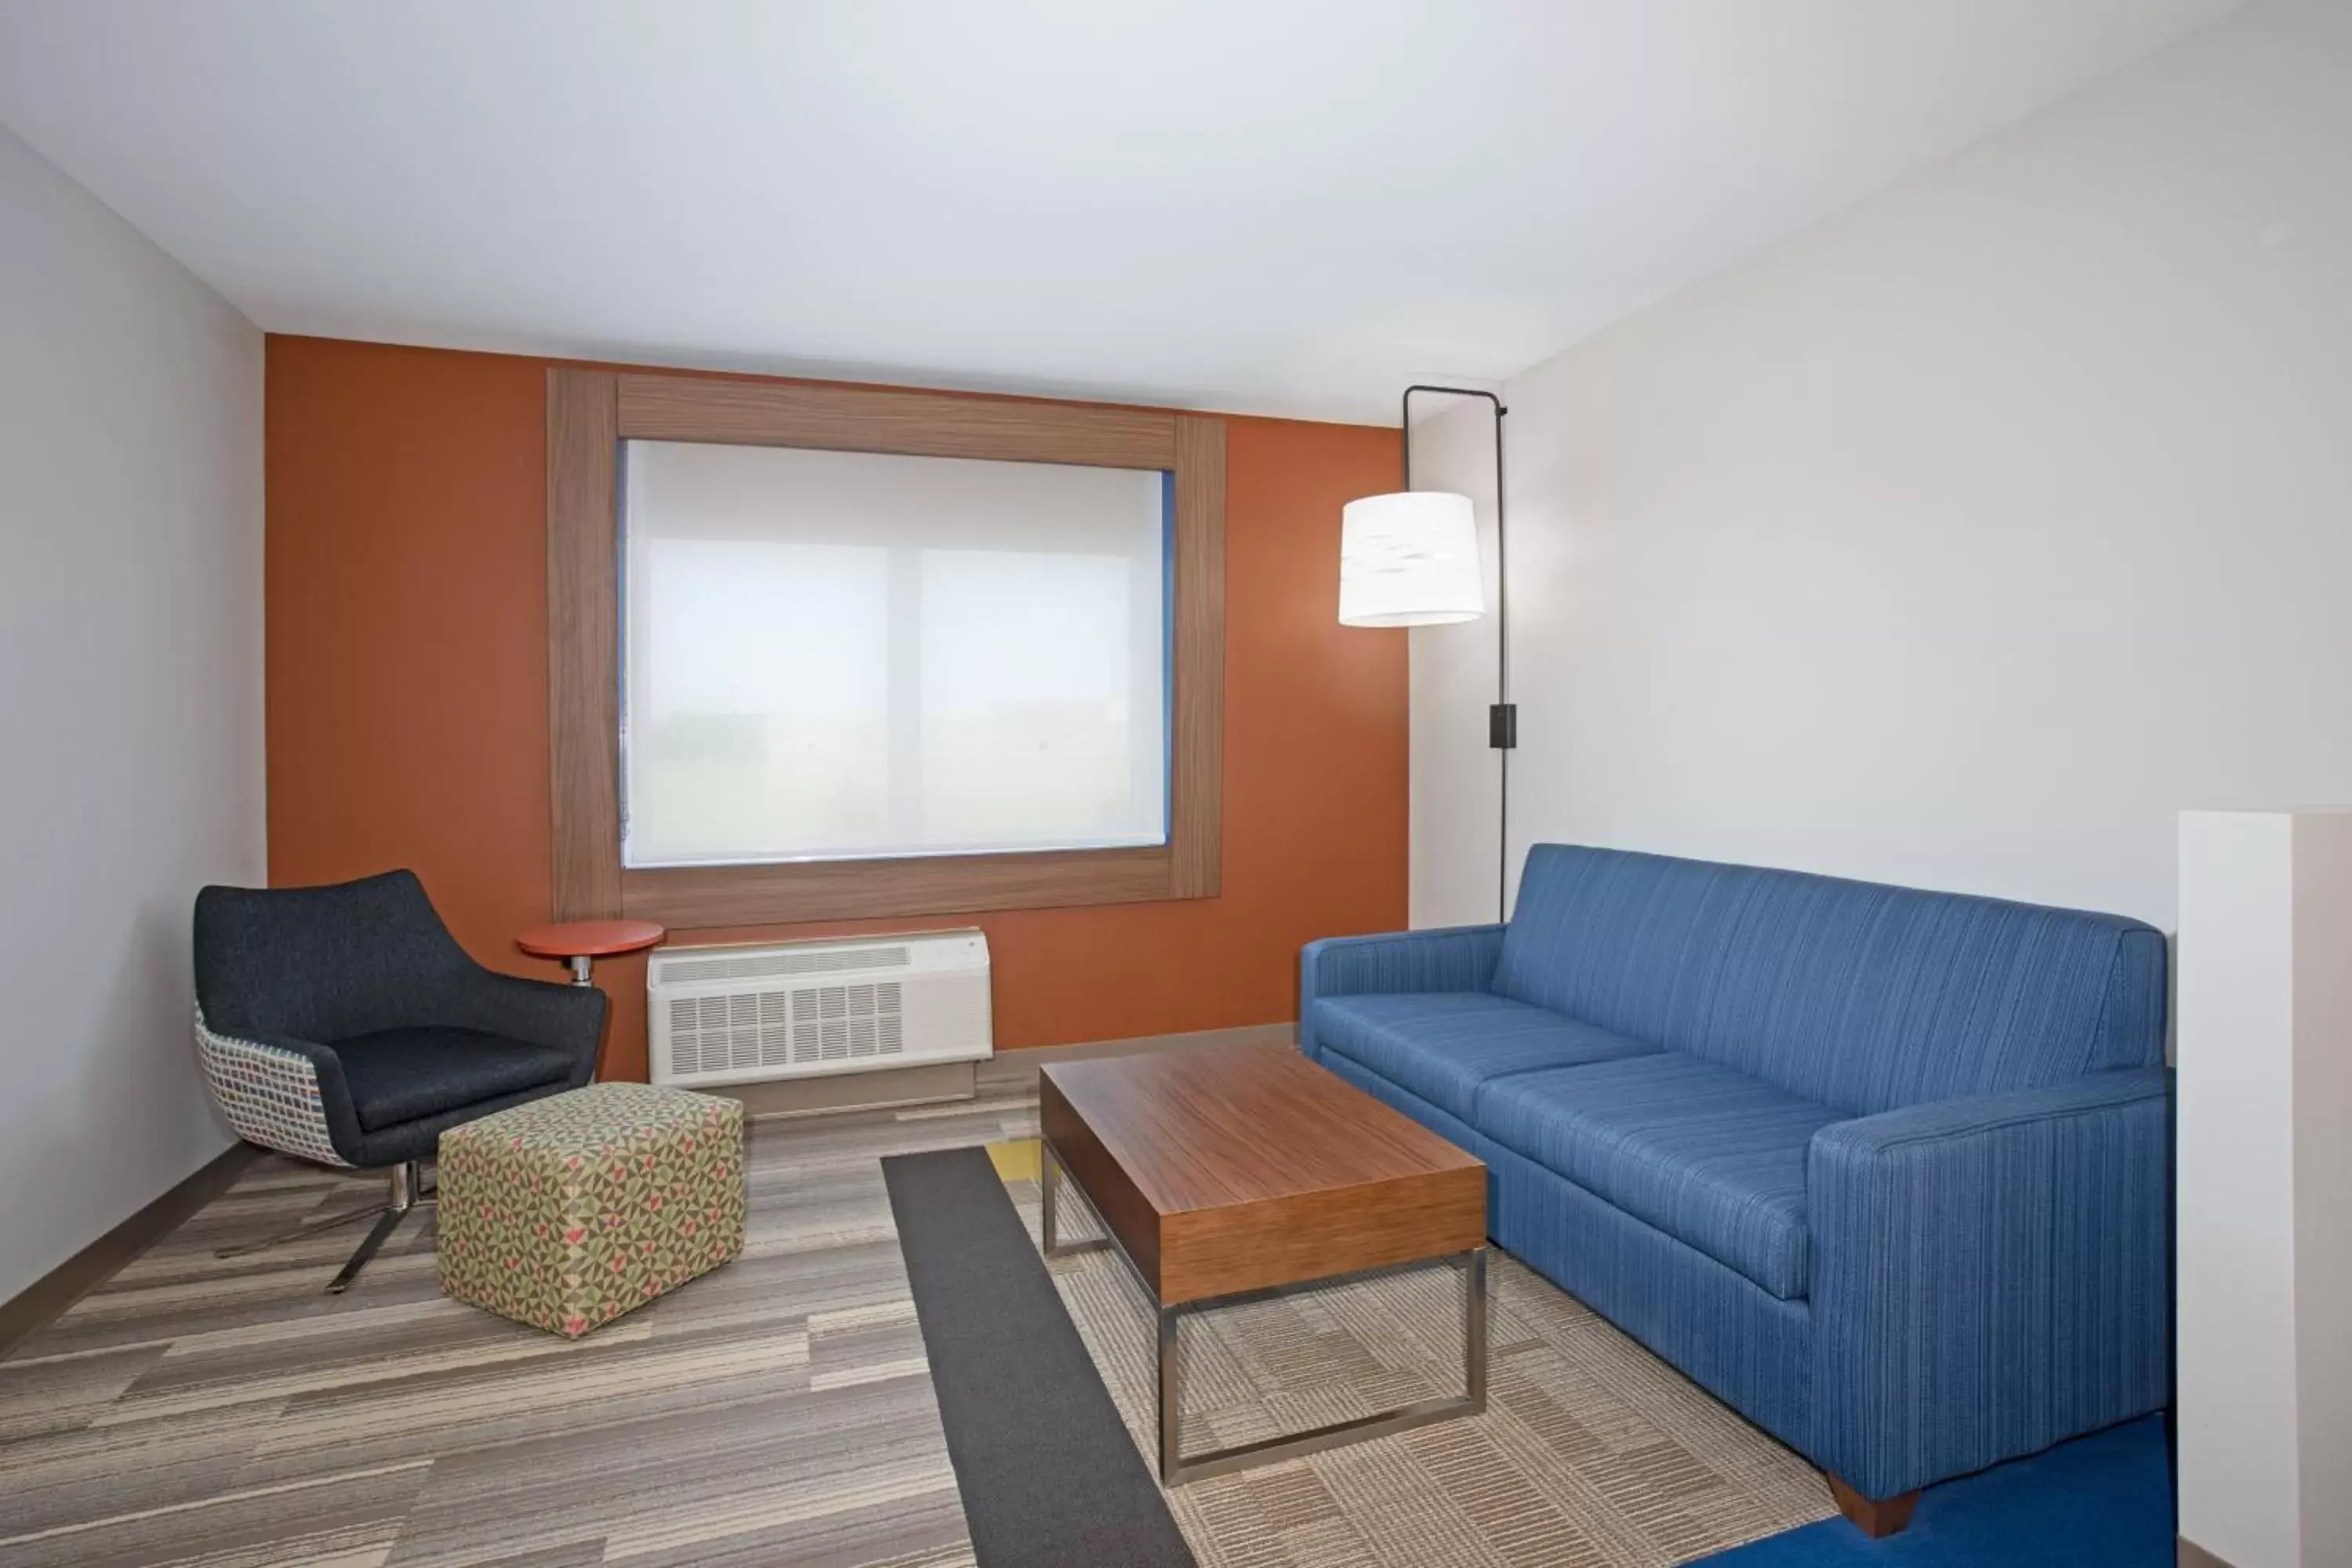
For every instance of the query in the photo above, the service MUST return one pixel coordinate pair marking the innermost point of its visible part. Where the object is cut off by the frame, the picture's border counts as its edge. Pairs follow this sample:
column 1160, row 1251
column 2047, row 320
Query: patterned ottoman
column 565, row 1213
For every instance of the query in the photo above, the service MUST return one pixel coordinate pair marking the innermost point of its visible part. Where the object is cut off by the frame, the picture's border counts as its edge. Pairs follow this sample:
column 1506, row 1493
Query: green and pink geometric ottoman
column 569, row 1211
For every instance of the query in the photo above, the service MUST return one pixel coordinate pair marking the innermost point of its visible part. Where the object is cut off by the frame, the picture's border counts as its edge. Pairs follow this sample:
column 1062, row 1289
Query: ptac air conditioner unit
column 803, row 1009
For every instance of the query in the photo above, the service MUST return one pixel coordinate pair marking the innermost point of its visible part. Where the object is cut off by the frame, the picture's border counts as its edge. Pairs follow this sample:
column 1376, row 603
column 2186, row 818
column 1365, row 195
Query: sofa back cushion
column 1862, row 996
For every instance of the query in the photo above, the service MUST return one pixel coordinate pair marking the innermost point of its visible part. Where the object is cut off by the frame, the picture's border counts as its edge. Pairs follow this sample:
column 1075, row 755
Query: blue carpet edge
column 2103, row 1500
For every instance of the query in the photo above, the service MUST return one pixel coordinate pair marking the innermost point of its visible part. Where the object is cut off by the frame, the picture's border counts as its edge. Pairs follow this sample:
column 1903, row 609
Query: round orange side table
column 581, row 944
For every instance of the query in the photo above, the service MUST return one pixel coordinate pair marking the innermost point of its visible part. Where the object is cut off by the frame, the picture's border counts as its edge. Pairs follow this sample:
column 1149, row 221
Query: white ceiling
column 1284, row 206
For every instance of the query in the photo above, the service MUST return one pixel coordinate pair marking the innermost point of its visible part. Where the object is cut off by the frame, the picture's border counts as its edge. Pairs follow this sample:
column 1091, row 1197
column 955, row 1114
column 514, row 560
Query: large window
column 822, row 652
column 857, row 655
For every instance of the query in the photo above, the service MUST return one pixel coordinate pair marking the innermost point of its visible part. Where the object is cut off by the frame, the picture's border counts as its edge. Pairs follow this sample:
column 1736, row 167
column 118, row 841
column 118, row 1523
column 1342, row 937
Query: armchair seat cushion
column 1445, row 1045
column 398, row 1075
column 1710, row 1156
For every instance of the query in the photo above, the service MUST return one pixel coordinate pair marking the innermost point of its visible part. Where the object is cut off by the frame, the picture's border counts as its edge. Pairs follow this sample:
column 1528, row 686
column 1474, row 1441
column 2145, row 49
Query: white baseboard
column 1007, row 1072
column 889, row 1087
column 1018, row 1068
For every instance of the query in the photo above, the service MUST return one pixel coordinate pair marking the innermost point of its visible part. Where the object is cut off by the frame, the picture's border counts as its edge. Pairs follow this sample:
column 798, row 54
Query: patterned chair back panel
column 1855, row 994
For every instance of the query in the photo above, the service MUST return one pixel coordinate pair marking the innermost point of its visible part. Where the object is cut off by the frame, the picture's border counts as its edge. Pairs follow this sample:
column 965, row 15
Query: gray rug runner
column 1049, row 1476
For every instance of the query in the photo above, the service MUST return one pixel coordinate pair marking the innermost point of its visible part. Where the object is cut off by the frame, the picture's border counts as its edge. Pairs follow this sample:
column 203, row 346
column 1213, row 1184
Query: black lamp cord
column 1503, row 718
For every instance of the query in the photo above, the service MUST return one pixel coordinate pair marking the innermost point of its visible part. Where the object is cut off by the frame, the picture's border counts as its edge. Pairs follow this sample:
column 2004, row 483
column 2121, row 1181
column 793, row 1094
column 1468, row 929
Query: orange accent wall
column 407, row 690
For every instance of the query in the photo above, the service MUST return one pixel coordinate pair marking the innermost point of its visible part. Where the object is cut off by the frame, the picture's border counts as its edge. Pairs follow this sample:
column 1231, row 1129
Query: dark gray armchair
column 344, row 1024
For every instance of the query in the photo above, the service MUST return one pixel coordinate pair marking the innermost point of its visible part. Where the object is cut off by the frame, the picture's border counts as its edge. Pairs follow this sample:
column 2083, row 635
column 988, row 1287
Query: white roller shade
column 839, row 655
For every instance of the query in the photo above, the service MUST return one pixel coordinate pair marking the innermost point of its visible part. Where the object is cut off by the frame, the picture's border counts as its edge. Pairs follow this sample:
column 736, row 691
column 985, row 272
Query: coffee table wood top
column 1229, row 1169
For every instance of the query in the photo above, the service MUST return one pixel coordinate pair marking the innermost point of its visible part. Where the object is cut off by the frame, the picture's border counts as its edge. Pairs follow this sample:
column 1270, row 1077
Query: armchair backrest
column 324, row 964
column 1855, row 994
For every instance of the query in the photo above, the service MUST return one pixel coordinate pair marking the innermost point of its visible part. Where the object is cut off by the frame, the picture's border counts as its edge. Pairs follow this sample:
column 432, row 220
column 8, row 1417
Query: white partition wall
column 2264, row 1207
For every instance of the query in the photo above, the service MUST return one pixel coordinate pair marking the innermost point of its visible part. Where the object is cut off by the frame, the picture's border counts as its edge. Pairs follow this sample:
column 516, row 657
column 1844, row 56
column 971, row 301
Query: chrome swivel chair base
column 406, row 1191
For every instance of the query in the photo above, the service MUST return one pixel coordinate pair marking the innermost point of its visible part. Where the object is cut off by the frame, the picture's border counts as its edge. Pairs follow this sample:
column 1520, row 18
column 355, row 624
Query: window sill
column 704, row 895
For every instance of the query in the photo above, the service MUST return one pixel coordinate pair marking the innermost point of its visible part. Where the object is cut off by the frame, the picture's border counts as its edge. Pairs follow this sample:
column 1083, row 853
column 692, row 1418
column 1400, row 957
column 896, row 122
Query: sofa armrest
column 1988, row 1276
column 1457, row 958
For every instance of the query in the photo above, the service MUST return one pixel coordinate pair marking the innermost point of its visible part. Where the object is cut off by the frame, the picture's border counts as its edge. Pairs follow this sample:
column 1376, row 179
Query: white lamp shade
column 1409, row 560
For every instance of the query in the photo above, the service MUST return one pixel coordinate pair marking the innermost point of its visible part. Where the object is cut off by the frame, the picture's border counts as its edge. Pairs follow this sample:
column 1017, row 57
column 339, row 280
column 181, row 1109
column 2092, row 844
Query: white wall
column 1963, row 539
column 2265, row 1256
column 2235, row 1304
column 2323, row 1178
column 131, row 635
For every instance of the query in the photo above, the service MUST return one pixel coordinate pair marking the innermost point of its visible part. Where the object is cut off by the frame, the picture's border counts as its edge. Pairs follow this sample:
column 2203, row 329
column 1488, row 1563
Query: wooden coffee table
column 1230, row 1172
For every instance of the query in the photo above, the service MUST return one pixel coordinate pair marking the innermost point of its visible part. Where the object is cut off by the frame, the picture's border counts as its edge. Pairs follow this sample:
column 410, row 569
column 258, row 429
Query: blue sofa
column 1886, row 1169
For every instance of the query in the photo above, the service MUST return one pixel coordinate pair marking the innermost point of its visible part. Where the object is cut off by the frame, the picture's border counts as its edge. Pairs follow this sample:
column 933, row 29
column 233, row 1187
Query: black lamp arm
column 1503, row 715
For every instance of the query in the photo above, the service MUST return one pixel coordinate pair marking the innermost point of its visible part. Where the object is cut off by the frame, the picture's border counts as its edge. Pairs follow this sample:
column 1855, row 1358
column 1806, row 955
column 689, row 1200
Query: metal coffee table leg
column 1171, row 1396
column 1474, row 1327
column 1176, row 1468
column 1051, row 1177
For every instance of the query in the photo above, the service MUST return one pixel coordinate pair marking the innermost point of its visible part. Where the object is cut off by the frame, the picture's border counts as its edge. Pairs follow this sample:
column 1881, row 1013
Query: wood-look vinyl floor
column 778, row 1411
column 203, row 1410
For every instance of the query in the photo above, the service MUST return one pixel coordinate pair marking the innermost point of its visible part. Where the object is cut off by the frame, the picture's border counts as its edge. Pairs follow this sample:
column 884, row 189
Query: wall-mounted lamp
column 1411, row 560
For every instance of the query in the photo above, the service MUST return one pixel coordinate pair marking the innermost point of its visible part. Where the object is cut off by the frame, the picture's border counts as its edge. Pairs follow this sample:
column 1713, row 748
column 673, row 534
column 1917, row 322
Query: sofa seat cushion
column 1443, row 1045
column 1711, row 1157
column 405, row 1075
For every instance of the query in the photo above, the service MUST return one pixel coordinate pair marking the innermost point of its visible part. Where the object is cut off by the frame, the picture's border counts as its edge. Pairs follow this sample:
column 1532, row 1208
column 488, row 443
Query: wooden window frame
column 590, row 413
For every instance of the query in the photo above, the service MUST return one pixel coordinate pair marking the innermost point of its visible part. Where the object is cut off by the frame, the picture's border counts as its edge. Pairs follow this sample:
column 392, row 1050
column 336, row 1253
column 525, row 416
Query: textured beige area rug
column 1591, row 1451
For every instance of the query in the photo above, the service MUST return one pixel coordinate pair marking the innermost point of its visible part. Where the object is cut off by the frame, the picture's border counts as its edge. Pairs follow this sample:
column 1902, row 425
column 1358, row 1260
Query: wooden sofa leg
column 1886, row 1516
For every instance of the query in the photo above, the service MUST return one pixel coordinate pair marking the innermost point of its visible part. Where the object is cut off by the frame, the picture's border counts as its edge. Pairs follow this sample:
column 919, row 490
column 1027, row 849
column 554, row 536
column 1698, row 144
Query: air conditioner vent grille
column 778, row 964
column 751, row 1030
column 784, row 1012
